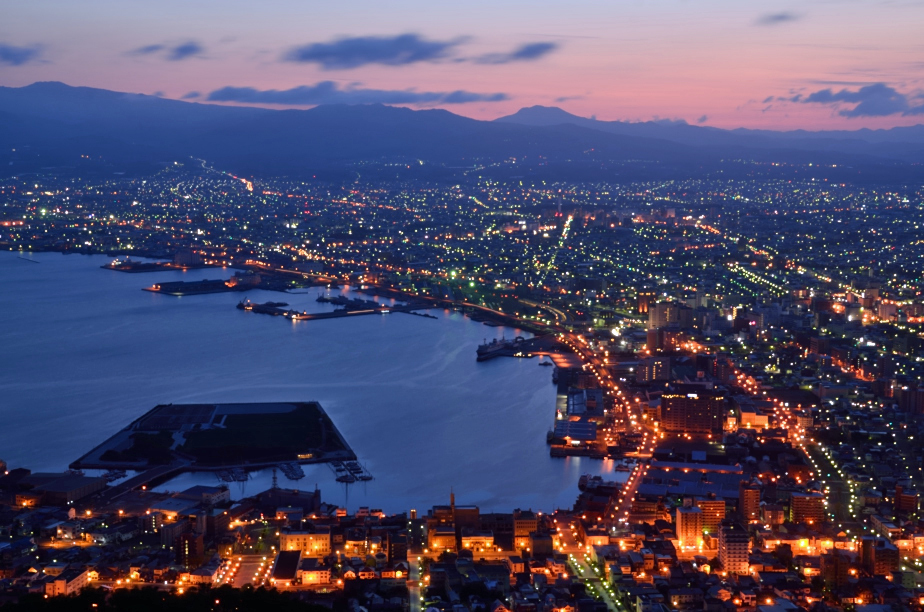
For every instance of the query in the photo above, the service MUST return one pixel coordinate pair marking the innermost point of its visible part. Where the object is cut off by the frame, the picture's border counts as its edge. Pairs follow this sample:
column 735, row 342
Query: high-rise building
column 749, row 500
column 652, row 369
column 734, row 546
column 835, row 567
column 190, row 547
column 689, row 526
column 713, row 513
column 807, row 508
column 645, row 299
column 661, row 314
column 906, row 500
column 879, row 556
column 692, row 409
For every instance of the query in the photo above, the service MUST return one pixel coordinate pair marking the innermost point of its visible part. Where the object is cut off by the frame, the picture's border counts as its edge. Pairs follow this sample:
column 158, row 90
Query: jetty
column 349, row 308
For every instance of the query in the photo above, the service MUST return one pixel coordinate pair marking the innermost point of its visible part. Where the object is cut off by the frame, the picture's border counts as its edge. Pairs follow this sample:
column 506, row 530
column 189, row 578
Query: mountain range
column 53, row 125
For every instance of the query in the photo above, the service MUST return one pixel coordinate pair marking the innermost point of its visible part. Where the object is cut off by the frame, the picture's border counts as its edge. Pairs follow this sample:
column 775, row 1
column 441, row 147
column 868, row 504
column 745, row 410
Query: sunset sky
column 726, row 63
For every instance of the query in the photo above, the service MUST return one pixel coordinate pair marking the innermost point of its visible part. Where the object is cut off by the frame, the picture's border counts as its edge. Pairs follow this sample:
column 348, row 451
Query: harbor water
column 85, row 352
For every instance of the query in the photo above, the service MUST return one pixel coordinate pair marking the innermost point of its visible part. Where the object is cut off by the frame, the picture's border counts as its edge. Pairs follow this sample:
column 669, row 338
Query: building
column 63, row 489
column 477, row 540
column 441, row 538
column 644, row 301
column 692, row 409
column 666, row 314
column 67, row 582
column 314, row 543
column 906, row 500
column 524, row 523
column 689, row 526
column 190, row 548
column 653, row 369
column 808, row 508
column 879, row 556
column 734, row 546
column 313, row 571
column 772, row 514
column 210, row 496
column 713, row 513
column 835, row 567
column 749, row 501
column 285, row 568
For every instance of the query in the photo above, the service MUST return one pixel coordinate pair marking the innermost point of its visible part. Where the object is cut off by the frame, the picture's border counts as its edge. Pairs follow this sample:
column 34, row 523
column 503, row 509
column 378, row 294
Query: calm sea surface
column 83, row 352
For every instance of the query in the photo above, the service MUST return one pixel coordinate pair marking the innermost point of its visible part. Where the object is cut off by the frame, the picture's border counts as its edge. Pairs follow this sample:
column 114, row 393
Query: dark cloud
column 768, row 99
column 146, row 50
column 703, row 119
column 777, row 18
column 527, row 52
column 184, row 51
column 191, row 95
column 876, row 100
column 173, row 53
column 328, row 92
column 363, row 50
column 566, row 98
column 17, row 56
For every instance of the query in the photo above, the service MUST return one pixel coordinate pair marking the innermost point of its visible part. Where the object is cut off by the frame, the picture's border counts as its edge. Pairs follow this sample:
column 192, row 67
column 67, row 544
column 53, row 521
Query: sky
column 813, row 64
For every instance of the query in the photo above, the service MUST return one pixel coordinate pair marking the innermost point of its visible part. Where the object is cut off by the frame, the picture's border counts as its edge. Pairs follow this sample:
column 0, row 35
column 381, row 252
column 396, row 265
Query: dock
column 520, row 347
column 232, row 438
column 349, row 472
column 366, row 308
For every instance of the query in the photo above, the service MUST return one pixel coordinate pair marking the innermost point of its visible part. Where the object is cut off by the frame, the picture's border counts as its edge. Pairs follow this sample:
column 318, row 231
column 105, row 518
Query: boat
column 238, row 475
column 225, row 476
column 346, row 478
column 338, row 466
column 354, row 467
column 365, row 476
column 546, row 362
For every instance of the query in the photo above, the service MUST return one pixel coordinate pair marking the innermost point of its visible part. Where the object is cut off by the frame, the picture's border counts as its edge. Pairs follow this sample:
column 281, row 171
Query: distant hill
column 900, row 143
column 53, row 124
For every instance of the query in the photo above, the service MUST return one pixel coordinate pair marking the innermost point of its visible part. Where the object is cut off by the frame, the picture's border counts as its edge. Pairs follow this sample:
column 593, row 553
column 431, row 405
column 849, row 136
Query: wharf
column 172, row 439
column 370, row 308
column 476, row 312
column 181, row 288
column 566, row 451
column 267, row 281
column 136, row 267
column 519, row 347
